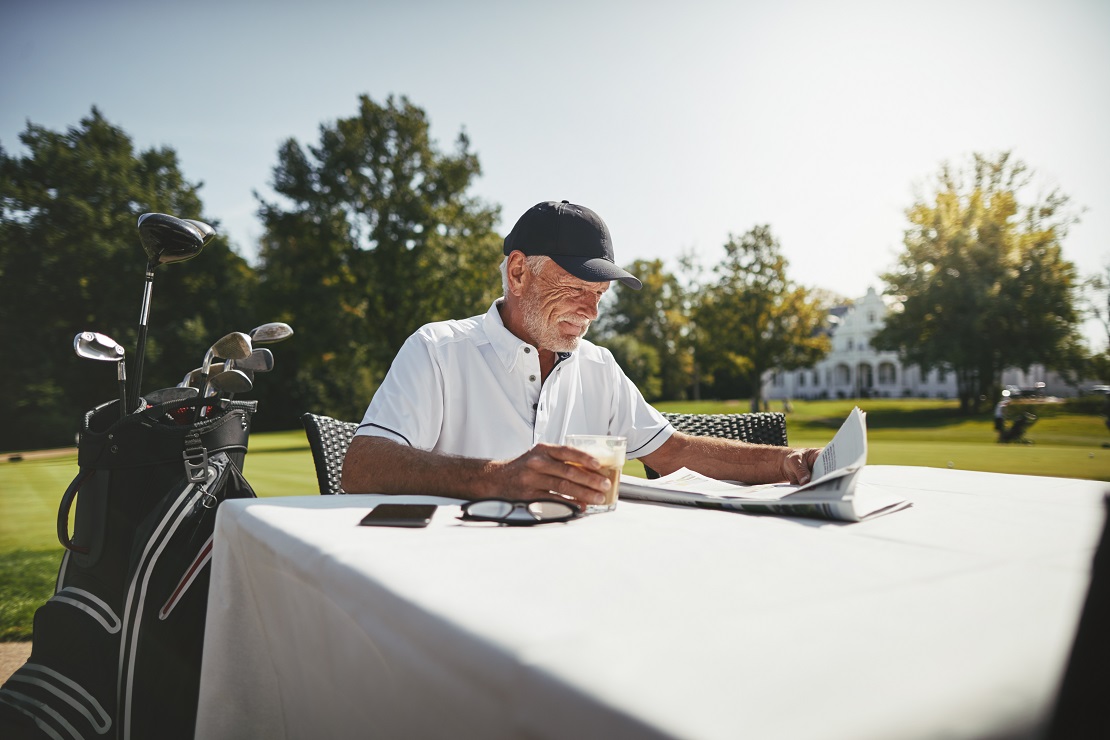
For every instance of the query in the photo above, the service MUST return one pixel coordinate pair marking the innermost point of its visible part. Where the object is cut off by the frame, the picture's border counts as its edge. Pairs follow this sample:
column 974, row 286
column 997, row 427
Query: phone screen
column 399, row 515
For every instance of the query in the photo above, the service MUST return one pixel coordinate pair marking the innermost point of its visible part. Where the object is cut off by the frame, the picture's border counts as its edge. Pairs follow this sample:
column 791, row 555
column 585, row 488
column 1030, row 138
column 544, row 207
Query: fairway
column 929, row 433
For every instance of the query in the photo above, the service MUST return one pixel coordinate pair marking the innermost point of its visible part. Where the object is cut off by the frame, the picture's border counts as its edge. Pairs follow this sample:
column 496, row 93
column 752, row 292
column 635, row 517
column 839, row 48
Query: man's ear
column 516, row 272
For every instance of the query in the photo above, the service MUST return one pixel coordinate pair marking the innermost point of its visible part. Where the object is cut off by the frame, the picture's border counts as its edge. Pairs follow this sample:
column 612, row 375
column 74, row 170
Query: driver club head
column 167, row 239
column 206, row 231
column 274, row 331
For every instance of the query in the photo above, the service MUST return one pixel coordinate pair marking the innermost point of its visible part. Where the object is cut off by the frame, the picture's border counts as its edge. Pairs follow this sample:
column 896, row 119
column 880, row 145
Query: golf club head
column 275, row 331
column 193, row 379
column 233, row 346
column 158, row 398
column 219, row 367
column 206, row 231
column 163, row 395
column 231, row 381
column 169, row 239
column 261, row 360
column 93, row 345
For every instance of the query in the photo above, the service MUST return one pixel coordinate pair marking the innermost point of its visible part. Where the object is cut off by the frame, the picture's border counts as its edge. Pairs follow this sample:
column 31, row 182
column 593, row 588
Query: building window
column 802, row 379
column 887, row 374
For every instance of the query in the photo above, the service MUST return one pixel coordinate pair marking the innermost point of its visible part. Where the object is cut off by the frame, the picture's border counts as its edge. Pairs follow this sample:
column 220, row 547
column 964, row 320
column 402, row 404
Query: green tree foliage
column 1097, row 289
column 751, row 317
column 648, row 332
column 71, row 260
column 375, row 235
column 982, row 282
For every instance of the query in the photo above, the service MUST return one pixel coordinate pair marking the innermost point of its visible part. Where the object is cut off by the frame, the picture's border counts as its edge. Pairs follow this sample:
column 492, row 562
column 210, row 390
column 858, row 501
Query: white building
column 854, row 369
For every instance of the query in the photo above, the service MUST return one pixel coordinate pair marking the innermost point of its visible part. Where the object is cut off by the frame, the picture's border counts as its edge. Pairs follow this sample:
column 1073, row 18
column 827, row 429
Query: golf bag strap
column 63, row 511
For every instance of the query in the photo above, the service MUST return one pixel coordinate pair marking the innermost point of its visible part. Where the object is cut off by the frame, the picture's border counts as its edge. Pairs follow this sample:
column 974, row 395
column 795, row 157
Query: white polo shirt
column 473, row 388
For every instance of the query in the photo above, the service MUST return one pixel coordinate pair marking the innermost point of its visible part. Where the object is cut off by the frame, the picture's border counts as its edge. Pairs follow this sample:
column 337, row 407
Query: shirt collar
column 507, row 345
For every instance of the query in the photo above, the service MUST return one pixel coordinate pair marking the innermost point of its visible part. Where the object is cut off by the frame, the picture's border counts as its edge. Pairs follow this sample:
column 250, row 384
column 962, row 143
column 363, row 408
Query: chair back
column 328, row 439
column 761, row 428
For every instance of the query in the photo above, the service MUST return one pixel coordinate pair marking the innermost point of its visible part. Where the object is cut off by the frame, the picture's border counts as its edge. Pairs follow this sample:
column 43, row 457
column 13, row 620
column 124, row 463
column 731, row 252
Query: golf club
column 233, row 346
column 165, row 239
column 270, row 333
column 261, row 360
column 92, row 345
column 193, row 379
column 231, row 381
column 206, row 231
column 164, row 395
column 227, row 381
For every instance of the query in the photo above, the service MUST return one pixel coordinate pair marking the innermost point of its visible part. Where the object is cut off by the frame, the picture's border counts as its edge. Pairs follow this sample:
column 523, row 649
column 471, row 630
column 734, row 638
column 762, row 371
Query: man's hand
column 551, row 472
column 797, row 466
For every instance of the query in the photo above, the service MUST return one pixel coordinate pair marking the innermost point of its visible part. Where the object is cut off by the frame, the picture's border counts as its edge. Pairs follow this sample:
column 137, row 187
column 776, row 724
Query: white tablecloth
column 949, row 619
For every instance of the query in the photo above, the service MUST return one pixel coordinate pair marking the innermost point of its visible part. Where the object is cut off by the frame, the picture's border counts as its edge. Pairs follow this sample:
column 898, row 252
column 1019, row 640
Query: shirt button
column 527, row 350
column 532, row 378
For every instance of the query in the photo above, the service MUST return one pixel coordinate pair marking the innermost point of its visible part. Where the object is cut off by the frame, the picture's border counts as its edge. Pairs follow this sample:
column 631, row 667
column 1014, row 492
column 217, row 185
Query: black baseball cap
column 574, row 237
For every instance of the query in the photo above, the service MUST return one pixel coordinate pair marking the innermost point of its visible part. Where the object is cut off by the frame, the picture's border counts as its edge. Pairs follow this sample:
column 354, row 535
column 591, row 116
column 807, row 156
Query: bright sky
column 679, row 123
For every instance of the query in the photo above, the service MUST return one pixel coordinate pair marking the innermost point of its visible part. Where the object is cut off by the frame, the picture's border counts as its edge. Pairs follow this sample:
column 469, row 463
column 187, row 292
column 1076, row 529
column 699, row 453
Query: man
column 479, row 408
column 1000, row 414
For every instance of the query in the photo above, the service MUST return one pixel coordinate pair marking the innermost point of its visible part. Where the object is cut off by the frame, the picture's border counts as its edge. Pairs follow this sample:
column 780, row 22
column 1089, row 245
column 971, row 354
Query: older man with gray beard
column 480, row 407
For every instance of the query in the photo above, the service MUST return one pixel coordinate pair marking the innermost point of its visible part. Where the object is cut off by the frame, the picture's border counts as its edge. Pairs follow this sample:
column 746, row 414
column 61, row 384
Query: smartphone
column 399, row 515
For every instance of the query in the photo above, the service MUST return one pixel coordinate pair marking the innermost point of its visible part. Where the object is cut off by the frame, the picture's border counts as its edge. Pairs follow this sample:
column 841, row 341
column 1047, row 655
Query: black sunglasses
column 518, row 513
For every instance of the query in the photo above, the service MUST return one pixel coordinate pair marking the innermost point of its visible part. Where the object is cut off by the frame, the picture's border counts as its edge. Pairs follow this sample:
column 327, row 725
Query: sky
column 680, row 123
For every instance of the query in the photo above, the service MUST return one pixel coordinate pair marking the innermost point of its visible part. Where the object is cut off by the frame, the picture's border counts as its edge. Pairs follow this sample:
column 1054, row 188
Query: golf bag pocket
column 117, row 648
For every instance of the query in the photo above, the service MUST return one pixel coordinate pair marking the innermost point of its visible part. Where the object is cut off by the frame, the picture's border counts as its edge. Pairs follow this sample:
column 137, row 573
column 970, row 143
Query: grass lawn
column 929, row 433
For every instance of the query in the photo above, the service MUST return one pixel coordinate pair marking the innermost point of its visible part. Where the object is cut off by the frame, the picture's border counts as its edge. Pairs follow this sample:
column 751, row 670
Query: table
column 952, row 618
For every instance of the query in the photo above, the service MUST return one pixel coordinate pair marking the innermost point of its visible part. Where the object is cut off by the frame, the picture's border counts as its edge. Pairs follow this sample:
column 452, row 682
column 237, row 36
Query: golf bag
column 117, row 648
column 1016, row 431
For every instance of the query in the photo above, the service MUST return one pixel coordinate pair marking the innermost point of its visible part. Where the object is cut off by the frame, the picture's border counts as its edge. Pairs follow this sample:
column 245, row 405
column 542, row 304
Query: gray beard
column 547, row 336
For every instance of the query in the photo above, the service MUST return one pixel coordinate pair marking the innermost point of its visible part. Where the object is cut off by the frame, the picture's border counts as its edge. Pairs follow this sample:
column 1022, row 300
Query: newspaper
column 830, row 494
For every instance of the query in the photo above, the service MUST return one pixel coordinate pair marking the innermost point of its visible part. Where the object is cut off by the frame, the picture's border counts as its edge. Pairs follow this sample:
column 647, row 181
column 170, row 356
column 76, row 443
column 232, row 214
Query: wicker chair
column 328, row 439
column 764, row 428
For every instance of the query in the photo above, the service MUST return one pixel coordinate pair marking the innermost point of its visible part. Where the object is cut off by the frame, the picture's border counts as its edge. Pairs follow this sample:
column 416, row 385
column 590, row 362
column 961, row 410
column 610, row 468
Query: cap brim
column 596, row 270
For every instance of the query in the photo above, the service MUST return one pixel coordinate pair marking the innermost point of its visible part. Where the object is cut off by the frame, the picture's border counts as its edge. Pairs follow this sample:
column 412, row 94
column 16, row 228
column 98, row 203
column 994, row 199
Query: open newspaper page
column 831, row 494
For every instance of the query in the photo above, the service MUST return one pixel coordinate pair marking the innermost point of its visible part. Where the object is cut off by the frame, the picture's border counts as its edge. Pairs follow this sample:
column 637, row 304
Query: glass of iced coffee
column 609, row 452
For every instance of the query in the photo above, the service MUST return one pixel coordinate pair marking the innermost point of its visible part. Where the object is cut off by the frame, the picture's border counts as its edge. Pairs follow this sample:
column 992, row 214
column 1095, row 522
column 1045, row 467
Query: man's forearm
column 718, row 458
column 379, row 465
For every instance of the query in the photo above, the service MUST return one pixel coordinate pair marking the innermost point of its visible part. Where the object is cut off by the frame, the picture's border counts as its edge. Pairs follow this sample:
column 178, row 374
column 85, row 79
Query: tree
column 70, row 261
column 375, row 235
column 1096, row 290
column 648, row 331
column 982, row 283
column 751, row 317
